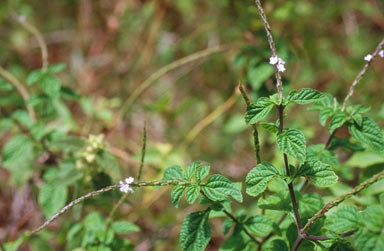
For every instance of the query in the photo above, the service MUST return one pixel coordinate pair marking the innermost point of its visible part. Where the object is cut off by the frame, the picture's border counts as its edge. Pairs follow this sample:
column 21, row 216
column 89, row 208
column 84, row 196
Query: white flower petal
column 273, row 60
column 381, row 53
column 368, row 57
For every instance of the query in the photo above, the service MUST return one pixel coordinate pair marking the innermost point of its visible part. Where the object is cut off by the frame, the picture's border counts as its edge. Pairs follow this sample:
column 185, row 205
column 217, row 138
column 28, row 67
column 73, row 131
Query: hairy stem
column 254, row 127
column 361, row 74
column 279, row 83
column 342, row 198
column 103, row 190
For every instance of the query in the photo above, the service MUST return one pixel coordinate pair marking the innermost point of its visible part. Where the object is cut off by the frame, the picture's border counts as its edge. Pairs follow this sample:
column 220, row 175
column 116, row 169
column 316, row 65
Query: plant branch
column 254, row 127
column 21, row 89
column 38, row 36
column 361, row 74
column 279, row 83
column 100, row 191
column 143, row 150
column 342, row 198
column 165, row 69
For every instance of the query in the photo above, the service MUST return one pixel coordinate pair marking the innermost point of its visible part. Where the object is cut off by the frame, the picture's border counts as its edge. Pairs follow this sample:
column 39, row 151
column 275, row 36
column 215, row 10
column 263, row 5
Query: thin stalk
column 100, row 191
column 255, row 133
column 143, row 150
column 342, row 198
column 39, row 38
column 279, row 83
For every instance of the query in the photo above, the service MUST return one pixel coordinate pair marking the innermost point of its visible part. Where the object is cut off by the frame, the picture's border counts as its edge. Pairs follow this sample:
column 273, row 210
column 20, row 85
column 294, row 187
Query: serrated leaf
column 373, row 218
column 177, row 194
column 52, row 198
column 270, row 127
column 368, row 241
column 195, row 232
column 278, row 201
column 259, row 225
column 318, row 153
column 321, row 173
column 124, row 227
column 218, row 188
column 258, row 178
column 258, row 111
column 344, row 220
column 51, row 86
column 309, row 204
column 324, row 114
column 173, row 173
column 304, row 96
column 191, row 193
column 202, row 172
column 236, row 241
column 190, row 171
column 337, row 121
column 341, row 245
column 292, row 142
column 368, row 133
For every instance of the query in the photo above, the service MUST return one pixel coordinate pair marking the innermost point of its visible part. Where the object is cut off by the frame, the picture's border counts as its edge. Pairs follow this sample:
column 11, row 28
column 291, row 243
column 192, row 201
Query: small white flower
column 368, row 58
column 381, row 53
column 124, row 185
column 281, row 67
column 273, row 60
column 278, row 62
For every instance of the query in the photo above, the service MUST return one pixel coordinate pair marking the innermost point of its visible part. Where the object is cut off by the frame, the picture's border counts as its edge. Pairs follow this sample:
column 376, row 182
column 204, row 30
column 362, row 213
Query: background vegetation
column 91, row 111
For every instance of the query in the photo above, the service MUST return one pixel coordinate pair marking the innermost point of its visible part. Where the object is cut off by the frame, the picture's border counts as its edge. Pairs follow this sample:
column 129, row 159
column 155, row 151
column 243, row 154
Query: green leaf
column 51, row 86
column 56, row 68
column 344, row 220
column 317, row 152
column 177, row 194
column 35, row 76
column 5, row 85
column 124, row 227
column 173, row 173
column 278, row 201
column 258, row 178
column 52, row 198
column 259, row 225
column 237, row 240
column 368, row 133
column 321, row 173
column 258, row 111
column 304, row 96
column 337, row 121
column 373, row 218
column 309, row 204
column 191, row 193
column 292, row 142
column 217, row 188
column 108, row 162
column 340, row 245
column 279, row 245
column 270, row 127
column 368, row 241
column 189, row 173
column 195, row 232
column 324, row 114
column 202, row 172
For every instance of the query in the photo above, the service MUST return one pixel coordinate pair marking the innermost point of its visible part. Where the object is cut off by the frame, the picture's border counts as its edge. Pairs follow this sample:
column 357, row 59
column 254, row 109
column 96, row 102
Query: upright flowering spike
column 124, row 185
